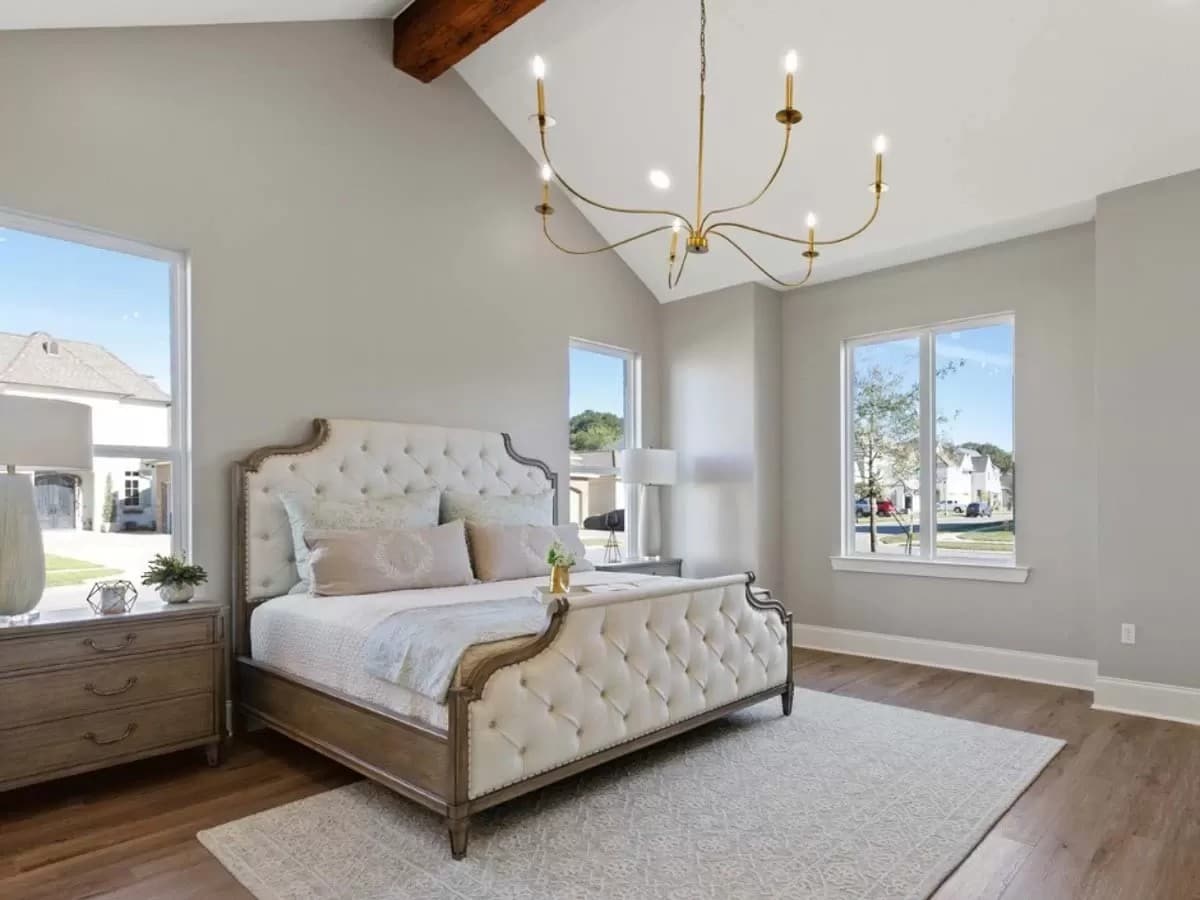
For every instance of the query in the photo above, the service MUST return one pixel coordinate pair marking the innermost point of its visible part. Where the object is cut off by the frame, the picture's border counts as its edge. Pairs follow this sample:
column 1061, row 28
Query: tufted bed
column 614, row 670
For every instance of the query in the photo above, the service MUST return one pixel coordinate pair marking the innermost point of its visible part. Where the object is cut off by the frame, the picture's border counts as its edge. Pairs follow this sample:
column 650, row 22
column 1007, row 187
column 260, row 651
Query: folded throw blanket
column 420, row 649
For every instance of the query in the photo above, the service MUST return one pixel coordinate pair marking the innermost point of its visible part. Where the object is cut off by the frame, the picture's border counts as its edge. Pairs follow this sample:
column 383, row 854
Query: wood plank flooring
column 1116, row 815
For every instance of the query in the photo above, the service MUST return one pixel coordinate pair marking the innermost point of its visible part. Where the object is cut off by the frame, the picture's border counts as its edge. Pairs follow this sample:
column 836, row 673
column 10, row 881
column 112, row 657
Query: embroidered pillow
column 501, row 552
column 498, row 509
column 417, row 509
column 367, row 561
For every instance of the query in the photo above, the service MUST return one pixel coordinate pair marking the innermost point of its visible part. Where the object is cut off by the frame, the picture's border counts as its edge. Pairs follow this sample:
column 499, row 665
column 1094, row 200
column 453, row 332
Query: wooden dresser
column 80, row 691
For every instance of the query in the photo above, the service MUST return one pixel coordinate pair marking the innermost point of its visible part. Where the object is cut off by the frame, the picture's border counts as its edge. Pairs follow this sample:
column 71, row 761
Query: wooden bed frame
column 411, row 757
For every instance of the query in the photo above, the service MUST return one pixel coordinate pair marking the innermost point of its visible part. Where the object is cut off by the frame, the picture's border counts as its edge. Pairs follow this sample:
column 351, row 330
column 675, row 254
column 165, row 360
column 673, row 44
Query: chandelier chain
column 703, row 52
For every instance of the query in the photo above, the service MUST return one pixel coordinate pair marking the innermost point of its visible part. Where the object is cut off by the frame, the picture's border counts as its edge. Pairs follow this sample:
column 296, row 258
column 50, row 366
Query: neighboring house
column 954, row 474
column 985, row 480
column 127, row 409
column 903, row 492
column 965, row 476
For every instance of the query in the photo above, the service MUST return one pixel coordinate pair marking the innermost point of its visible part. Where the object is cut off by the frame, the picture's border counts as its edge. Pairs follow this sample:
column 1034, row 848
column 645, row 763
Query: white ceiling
column 1004, row 118
column 17, row 14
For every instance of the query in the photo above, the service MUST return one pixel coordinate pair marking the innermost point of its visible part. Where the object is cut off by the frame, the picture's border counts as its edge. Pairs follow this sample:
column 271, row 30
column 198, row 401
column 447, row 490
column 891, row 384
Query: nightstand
column 664, row 565
column 81, row 691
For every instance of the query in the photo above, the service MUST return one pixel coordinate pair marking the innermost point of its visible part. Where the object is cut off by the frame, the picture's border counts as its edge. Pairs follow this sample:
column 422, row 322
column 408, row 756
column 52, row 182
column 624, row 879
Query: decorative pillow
column 497, row 509
column 418, row 509
column 501, row 552
column 367, row 561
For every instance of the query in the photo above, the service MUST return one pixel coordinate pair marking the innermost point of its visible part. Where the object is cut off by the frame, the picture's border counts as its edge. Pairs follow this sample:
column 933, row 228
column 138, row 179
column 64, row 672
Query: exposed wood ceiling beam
column 432, row 35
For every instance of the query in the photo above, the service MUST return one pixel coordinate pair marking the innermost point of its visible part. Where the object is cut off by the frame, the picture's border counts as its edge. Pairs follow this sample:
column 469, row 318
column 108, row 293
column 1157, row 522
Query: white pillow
column 367, row 561
column 417, row 509
column 501, row 552
column 498, row 509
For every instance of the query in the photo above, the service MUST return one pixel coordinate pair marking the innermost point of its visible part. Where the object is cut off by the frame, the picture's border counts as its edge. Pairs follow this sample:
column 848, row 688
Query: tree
column 886, row 434
column 109, row 511
column 592, row 430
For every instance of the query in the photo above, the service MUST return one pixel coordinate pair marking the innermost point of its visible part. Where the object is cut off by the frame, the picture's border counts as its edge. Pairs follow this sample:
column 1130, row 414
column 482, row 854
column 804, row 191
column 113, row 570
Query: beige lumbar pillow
column 367, row 561
column 501, row 552
column 416, row 509
column 498, row 509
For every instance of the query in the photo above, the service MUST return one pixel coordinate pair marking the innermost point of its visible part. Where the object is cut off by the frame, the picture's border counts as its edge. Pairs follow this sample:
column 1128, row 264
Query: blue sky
column 597, row 382
column 84, row 293
column 975, row 398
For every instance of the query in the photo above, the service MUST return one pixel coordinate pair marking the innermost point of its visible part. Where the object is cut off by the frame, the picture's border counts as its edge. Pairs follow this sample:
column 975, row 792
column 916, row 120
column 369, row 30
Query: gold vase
column 560, row 579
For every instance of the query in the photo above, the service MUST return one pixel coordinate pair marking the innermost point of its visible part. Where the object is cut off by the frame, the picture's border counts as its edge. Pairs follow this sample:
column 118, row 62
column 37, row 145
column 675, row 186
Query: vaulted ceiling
column 1004, row 119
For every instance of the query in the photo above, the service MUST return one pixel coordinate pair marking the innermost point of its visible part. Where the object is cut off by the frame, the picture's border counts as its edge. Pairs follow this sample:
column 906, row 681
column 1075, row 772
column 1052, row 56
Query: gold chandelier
column 701, row 229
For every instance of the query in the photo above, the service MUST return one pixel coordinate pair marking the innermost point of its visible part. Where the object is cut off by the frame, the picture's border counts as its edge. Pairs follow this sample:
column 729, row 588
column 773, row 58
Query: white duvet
column 322, row 638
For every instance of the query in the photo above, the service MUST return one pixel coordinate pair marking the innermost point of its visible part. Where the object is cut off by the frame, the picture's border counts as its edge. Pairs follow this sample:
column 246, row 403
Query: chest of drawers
column 81, row 692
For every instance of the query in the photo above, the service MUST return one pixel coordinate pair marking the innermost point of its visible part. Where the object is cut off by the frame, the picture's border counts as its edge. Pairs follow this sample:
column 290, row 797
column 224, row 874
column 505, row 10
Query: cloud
column 973, row 354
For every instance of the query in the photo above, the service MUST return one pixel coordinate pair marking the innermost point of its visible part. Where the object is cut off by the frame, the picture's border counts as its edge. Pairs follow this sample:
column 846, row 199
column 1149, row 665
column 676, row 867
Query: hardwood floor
column 1115, row 815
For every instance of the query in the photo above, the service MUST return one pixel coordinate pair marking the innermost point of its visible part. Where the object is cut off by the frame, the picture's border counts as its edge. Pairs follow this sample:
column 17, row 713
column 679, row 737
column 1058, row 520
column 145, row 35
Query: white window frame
column 926, row 561
column 178, row 451
column 633, row 429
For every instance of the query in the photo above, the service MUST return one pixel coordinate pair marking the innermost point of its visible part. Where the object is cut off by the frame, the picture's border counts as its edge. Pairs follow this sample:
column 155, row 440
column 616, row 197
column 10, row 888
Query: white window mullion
column 927, row 441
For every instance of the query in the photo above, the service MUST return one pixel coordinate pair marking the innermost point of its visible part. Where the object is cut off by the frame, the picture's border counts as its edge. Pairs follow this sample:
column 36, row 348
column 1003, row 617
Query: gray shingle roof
column 78, row 366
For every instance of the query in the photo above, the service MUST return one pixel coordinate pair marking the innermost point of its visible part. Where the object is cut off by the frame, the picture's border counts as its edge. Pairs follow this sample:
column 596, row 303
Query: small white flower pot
column 177, row 593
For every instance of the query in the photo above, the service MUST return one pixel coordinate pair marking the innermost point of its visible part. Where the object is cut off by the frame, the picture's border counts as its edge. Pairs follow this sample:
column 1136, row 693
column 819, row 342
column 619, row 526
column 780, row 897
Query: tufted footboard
column 612, row 669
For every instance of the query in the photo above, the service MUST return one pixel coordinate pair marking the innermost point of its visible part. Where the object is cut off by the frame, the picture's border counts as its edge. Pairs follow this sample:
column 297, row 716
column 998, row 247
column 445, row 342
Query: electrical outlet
column 1128, row 634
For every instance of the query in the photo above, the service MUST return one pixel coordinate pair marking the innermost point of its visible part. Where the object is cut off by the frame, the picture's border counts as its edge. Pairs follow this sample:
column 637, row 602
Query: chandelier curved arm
column 738, row 247
column 787, row 140
column 679, row 273
column 599, row 205
column 621, row 243
column 803, row 240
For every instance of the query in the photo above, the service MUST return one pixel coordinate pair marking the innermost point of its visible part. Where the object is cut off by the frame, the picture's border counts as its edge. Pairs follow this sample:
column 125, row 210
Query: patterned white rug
column 844, row 799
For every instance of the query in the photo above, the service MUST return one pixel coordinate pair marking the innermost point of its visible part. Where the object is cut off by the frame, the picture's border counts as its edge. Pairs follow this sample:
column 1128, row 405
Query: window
column 929, row 414
column 100, row 321
column 603, row 419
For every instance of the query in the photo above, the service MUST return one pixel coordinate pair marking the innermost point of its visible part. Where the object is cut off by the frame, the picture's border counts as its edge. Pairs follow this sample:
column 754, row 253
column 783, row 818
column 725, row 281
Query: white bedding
column 322, row 638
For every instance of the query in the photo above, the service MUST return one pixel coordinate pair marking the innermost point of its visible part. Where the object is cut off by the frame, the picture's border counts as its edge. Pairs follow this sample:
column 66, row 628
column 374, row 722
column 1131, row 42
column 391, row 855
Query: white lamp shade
column 647, row 466
column 45, row 434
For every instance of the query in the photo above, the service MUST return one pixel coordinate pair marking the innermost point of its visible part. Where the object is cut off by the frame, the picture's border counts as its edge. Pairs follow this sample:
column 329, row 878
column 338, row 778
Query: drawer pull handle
column 100, row 692
column 129, row 729
column 100, row 648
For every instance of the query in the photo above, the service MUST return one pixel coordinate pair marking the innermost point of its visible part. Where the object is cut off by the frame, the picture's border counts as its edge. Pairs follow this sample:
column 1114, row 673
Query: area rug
column 844, row 799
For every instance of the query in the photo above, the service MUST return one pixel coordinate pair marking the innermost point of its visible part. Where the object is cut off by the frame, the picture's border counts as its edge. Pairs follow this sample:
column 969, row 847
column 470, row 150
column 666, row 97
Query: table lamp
column 37, row 434
column 648, row 468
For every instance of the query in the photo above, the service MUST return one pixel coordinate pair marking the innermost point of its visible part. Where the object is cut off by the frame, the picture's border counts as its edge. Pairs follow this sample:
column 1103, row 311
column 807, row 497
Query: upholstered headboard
column 354, row 458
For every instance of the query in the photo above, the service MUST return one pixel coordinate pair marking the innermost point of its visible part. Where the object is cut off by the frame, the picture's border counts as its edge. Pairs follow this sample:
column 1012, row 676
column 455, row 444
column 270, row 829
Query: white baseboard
column 1146, row 698
column 1065, row 671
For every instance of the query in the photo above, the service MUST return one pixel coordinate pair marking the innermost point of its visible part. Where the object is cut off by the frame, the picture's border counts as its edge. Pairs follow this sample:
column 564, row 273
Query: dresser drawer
column 103, row 642
column 100, row 686
column 85, row 741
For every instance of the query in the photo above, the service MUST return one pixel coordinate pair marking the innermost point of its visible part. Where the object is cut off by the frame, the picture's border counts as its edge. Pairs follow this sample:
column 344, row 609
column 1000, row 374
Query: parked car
column 950, row 506
column 862, row 506
column 977, row 510
column 885, row 507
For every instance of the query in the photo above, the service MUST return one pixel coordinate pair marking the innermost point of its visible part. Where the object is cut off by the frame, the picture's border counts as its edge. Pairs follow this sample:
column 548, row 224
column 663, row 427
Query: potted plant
column 560, row 560
column 175, row 578
column 108, row 513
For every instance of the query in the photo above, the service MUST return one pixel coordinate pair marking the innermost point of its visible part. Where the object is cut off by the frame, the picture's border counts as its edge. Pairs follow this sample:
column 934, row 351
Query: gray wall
column 1148, row 426
column 1047, row 281
column 720, row 413
column 361, row 244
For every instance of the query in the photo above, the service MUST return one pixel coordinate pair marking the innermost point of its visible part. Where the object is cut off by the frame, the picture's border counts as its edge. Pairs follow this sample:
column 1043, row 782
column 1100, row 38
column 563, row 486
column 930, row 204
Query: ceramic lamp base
column 22, row 561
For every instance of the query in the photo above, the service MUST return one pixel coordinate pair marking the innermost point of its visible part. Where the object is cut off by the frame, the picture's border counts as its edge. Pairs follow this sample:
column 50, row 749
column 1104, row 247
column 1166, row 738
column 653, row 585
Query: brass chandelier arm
column 787, row 140
column 738, row 247
column 617, row 209
column 621, row 243
column 802, row 240
column 679, row 273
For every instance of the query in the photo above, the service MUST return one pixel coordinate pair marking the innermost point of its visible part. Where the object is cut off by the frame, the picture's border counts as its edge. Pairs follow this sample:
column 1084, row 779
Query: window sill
column 925, row 568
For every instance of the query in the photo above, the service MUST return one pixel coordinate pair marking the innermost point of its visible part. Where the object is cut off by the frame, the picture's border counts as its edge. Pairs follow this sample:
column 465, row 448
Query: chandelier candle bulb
column 791, row 62
column 880, row 149
column 539, row 72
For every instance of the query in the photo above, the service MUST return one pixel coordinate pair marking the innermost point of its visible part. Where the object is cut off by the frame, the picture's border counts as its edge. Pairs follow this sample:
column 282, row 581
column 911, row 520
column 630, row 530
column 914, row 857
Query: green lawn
column 987, row 541
column 63, row 570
